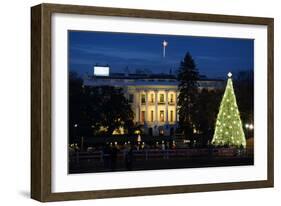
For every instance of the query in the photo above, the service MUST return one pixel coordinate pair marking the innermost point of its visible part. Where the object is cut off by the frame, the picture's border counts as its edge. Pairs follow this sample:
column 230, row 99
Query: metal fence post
column 77, row 157
column 146, row 154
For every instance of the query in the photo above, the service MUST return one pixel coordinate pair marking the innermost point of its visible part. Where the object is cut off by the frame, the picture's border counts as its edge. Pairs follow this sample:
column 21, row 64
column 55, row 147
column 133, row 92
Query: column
column 176, row 103
column 139, row 94
column 146, row 105
column 166, row 109
column 156, row 105
column 137, row 118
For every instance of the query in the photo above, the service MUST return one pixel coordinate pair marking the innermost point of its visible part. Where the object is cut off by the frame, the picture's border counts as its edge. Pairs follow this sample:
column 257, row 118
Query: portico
column 155, row 108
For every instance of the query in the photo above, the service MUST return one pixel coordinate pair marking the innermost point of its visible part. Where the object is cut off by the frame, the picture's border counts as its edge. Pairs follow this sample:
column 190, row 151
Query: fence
column 149, row 154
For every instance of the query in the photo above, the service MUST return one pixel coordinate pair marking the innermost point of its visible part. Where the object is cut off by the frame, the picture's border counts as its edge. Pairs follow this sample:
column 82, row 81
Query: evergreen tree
column 244, row 92
column 208, row 103
column 229, row 129
column 75, row 96
column 188, row 77
column 106, row 107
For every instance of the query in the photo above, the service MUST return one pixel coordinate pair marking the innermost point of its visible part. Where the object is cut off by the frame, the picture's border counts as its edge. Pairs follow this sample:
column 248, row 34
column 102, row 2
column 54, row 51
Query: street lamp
column 248, row 128
column 251, row 126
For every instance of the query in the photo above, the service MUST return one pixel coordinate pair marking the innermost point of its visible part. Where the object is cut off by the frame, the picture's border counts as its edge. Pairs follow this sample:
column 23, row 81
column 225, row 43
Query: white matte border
column 63, row 182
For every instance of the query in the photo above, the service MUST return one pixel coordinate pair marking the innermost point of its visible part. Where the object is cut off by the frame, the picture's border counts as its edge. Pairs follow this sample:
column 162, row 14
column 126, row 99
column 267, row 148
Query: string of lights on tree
column 228, row 128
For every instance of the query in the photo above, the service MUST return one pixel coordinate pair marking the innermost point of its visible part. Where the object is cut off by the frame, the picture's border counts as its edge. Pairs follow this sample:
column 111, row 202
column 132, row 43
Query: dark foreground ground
column 88, row 164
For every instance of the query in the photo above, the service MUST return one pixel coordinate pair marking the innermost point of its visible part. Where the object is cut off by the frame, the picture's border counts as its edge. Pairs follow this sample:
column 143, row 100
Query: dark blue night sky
column 214, row 57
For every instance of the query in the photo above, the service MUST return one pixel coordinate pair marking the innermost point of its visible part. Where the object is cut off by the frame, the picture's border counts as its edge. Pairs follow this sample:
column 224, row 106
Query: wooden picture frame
column 41, row 117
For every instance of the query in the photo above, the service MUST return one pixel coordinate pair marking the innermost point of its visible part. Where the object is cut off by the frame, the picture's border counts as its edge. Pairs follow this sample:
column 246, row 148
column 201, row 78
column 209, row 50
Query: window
column 161, row 116
column 161, row 132
column 142, row 116
column 172, row 98
column 151, row 98
column 143, row 98
column 151, row 115
column 171, row 115
column 161, row 98
column 131, row 98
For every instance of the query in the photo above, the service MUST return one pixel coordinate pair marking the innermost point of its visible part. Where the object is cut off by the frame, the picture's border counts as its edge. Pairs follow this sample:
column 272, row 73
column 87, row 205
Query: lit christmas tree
column 229, row 129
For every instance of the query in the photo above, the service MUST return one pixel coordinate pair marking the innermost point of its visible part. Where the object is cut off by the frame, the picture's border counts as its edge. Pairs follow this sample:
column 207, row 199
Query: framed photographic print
column 130, row 102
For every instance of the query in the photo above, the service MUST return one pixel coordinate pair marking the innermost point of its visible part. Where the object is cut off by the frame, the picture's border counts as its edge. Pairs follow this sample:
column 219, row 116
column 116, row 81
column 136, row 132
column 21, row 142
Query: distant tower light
column 165, row 44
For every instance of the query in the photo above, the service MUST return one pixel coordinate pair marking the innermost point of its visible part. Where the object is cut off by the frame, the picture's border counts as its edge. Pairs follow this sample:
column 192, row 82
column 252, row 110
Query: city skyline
column 214, row 57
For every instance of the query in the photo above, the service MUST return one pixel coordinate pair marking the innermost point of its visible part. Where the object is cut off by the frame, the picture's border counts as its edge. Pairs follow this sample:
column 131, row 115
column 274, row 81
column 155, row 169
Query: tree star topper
column 229, row 74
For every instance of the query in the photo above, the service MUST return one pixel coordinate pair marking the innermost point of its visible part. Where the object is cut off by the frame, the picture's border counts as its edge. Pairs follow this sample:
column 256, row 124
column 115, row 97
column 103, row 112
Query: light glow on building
column 101, row 71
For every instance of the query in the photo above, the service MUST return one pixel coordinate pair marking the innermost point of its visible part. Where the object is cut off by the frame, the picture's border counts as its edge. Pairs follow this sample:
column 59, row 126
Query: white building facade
column 153, row 98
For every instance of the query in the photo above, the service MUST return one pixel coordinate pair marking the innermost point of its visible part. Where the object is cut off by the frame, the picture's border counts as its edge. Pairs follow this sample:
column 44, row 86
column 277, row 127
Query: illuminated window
column 171, row 115
column 172, row 98
column 151, row 115
column 142, row 116
column 161, row 116
column 161, row 98
column 143, row 98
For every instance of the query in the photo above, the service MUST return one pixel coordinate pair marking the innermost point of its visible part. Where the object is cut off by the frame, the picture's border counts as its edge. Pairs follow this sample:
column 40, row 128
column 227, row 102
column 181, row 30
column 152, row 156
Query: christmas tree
column 229, row 130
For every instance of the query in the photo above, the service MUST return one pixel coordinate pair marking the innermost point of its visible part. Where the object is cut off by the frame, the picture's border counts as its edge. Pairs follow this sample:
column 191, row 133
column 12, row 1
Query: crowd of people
column 110, row 152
